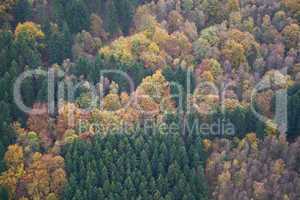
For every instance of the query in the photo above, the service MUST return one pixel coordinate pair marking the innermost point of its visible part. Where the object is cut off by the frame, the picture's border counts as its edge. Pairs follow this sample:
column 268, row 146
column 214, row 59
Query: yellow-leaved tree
column 153, row 96
column 32, row 29
column 15, row 169
column 5, row 7
column 44, row 178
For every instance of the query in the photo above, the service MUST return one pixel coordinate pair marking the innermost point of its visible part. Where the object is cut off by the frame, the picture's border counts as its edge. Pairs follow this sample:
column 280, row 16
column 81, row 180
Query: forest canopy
column 158, row 100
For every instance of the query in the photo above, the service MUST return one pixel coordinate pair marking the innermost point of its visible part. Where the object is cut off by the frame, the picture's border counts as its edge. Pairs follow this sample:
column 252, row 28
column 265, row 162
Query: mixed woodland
column 170, row 49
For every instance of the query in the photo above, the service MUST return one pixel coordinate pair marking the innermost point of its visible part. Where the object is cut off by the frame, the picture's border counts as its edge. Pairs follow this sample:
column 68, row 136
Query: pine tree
column 22, row 11
column 67, row 41
column 293, row 111
column 77, row 16
column 55, row 50
column 124, row 165
column 125, row 10
column 58, row 11
column 111, row 18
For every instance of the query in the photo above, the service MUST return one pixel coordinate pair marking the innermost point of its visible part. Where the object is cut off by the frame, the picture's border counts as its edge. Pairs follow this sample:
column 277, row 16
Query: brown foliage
column 253, row 168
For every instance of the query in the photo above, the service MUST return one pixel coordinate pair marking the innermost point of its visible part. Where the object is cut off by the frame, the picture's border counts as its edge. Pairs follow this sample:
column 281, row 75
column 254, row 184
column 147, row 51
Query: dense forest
column 149, row 100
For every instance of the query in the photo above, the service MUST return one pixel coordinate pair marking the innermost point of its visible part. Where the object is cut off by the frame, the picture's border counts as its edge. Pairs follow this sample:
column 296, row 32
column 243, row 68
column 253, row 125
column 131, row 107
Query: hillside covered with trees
column 149, row 100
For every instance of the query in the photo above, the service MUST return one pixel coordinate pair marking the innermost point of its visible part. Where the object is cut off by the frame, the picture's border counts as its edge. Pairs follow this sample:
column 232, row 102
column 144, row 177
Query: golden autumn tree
column 5, row 7
column 147, row 106
column 44, row 177
column 246, row 39
column 67, row 118
column 234, row 52
column 143, row 46
column 233, row 5
column 143, row 20
column 97, row 27
column 32, row 29
column 291, row 34
column 155, row 86
column 108, row 121
column 112, row 101
column 154, row 95
column 292, row 5
column 128, row 113
column 212, row 66
column 14, row 159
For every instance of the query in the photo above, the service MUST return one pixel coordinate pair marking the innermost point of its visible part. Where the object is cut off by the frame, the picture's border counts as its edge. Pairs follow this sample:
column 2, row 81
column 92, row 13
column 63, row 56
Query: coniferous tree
column 77, row 16
column 111, row 18
column 22, row 11
column 150, row 169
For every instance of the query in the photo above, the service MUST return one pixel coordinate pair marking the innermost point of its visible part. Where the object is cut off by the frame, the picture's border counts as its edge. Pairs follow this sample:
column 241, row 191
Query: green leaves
column 140, row 168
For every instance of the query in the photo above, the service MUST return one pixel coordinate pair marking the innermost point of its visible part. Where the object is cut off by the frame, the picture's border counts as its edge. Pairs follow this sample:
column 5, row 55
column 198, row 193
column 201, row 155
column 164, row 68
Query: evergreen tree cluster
column 140, row 166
